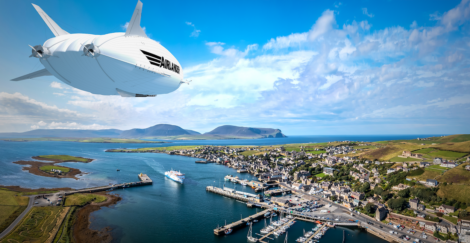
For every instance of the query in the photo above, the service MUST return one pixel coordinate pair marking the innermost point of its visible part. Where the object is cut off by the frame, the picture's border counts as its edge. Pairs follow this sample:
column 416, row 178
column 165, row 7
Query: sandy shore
column 35, row 165
column 82, row 231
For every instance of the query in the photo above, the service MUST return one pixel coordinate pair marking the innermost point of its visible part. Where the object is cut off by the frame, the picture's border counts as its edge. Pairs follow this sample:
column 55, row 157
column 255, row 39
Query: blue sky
column 306, row 67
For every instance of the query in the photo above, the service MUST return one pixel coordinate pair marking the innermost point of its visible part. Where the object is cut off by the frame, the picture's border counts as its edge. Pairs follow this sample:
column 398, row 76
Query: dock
column 277, row 192
column 239, row 223
column 144, row 180
column 314, row 234
column 231, row 193
column 272, row 232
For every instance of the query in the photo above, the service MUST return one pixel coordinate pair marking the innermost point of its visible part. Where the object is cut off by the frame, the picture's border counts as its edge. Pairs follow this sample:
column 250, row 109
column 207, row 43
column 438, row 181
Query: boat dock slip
column 277, row 192
column 144, row 180
column 239, row 223
column 318, row 231
column 266, row 235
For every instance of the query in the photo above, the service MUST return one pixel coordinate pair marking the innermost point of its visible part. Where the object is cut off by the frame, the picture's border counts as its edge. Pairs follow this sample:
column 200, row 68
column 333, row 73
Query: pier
column 239, row 223
column 272, row 232
column 144, row 180
column 231, row 193
column 277, row 192
column 314, row 234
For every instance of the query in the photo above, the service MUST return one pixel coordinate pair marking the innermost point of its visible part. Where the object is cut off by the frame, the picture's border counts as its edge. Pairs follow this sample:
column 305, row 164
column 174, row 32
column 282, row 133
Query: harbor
column 239, row 223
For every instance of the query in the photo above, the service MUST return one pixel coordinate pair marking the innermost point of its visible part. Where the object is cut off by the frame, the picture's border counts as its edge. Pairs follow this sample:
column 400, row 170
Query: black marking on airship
column 160, row 61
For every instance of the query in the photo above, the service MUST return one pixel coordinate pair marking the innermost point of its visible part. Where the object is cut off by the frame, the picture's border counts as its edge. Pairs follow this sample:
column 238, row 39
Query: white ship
column 175, row 175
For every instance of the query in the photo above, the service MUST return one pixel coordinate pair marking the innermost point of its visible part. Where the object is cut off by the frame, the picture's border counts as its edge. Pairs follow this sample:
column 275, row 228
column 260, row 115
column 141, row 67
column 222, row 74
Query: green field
column 37, row 225
column 428, row 174
column 433, row 152
column 48, row 168
column 458, row 192
column 400, row 159
column 11, row 206
column 79, row 199
column 64, row 158
column 321, row 175
column 456, row 175
column 436, row 168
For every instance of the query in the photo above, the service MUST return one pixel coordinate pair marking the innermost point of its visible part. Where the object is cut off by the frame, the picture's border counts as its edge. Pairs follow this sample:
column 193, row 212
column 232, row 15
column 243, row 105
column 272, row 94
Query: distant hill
column 162, row 131
column 192, row 132
column 61, row 133
column 229, row 130
column 157, row 130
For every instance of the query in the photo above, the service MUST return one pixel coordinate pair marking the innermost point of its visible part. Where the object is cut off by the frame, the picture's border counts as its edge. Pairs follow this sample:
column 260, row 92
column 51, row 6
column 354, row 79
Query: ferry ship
column 175, row 175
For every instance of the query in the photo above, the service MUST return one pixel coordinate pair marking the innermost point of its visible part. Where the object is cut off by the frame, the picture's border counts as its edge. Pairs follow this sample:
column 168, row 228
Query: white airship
column 128, row 64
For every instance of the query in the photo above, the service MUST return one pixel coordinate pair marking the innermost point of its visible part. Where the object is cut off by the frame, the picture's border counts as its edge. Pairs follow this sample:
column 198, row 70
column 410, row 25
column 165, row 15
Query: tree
column 385, row 195
column 334, row 198
column 378, row 190
column 404, row 193
column 436, row 234
column 463, row 213
column 397, row 204
column 369, row 208
column 365, row 187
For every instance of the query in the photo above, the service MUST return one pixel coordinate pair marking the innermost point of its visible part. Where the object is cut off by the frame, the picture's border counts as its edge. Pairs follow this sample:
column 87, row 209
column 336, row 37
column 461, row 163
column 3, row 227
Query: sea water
column 166, row 211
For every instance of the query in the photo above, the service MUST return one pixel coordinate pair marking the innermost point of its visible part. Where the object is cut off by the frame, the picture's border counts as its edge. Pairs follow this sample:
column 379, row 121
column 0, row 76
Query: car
column 36, row 202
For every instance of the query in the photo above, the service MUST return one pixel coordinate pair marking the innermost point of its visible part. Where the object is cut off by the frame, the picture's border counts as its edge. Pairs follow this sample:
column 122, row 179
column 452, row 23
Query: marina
column 240, row 223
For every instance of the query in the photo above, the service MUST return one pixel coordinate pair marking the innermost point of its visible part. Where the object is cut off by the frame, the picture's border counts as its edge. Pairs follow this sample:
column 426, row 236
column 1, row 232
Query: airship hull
column 128, row 64
column 119, row 64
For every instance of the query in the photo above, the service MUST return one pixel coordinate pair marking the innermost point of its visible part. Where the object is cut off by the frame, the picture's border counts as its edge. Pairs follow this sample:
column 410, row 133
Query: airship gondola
column 128, row 64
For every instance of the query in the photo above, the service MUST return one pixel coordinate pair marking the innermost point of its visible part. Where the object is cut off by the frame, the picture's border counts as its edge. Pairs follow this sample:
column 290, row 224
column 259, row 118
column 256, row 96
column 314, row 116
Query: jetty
column 239, row 223
column 314, row 234
column 275, row 192
column 272, row 232
column 231, row 193
column 144, row 180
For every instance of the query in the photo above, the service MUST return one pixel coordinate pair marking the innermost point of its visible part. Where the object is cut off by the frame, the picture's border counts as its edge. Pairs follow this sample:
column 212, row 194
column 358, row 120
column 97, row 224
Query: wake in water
column 155, row 166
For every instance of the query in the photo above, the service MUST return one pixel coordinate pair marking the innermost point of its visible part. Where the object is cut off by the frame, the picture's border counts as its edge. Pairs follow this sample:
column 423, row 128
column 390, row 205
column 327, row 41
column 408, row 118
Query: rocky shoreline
column 34, row 168
column 82, row 231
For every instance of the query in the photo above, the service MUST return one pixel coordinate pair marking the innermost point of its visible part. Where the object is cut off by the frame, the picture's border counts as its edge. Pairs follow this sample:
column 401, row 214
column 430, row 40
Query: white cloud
column 195, row 32
column 56, row 85
column 365, row 12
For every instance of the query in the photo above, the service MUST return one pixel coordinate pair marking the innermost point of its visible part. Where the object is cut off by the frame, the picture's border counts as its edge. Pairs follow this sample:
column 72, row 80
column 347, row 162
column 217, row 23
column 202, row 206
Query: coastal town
column 388, row 191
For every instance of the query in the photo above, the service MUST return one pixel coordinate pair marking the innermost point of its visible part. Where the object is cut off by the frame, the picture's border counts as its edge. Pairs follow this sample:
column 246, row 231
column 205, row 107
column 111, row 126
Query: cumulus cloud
column 326, row 76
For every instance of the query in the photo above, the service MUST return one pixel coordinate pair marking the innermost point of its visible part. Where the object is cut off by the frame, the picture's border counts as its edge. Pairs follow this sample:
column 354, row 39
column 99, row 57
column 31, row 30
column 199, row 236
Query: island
column 50, row 169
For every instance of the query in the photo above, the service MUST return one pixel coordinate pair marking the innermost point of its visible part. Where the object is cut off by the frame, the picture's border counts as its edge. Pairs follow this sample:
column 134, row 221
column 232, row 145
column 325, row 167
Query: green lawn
column 48, row 168
column 440, row 153
column 79, row 199
column 451, row 219
column 400, row 159
column 436, row 168
column 10, row 207
column 321, row 175
column 64, row 158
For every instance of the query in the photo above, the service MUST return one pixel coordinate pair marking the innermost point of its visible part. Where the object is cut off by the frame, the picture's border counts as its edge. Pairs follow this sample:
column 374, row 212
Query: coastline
column 34, row 168
column 60, row 161
column 82, row 231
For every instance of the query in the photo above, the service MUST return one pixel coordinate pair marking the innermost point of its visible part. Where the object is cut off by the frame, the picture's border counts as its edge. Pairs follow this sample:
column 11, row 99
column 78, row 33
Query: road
column 363, row 219
column 19, row 218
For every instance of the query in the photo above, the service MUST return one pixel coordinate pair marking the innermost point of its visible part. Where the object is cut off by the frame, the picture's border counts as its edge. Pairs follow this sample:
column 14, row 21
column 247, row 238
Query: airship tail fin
column 134, row 28
column 40, row 73
column 50, row 23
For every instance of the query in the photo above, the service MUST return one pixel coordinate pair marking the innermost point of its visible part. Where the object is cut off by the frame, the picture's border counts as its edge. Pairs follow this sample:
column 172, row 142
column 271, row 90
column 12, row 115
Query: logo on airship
column 160, row 61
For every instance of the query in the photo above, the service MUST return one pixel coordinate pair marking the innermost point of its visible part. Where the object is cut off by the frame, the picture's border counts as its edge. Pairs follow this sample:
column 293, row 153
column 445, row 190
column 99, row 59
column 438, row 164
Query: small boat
column 228, row 231
column 256, row 221
column 267, row 214
column 274, row 214
column 118, row 170
column 250, row 235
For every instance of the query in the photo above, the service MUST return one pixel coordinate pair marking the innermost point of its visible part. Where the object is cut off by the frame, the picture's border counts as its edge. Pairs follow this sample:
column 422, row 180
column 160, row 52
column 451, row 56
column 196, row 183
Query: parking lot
column 48, row 199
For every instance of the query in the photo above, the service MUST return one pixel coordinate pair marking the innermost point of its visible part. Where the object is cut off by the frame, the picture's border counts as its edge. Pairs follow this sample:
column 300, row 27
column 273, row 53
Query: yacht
column 250, row 235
